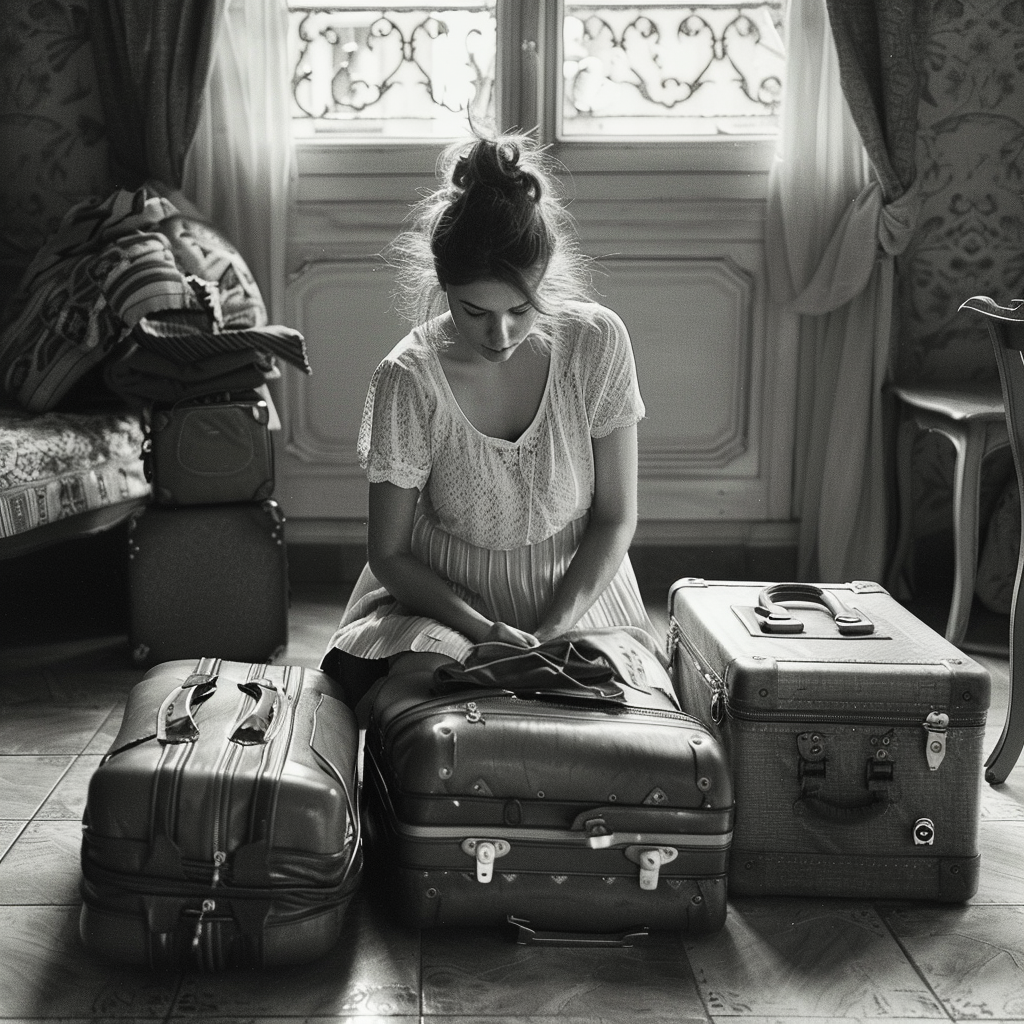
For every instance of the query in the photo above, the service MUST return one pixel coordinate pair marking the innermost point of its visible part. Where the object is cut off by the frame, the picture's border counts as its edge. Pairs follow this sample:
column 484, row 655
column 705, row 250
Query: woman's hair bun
column 496, row 164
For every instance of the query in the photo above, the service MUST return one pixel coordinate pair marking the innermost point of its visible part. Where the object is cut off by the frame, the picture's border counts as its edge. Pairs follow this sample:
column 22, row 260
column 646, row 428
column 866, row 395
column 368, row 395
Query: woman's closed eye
column 478, row 313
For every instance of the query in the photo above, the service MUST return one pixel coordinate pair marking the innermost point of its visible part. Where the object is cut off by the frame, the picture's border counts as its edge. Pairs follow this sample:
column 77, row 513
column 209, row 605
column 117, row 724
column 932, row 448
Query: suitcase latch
column 651, row 859
column 485, row 852
column 935, row 727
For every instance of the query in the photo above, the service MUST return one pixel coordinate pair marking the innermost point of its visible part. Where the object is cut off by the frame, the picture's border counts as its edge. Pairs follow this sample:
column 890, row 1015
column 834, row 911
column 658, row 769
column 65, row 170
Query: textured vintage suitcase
column 589, row 821
column 210, row 452
column 855, row 734
column 222, row 827
column 208, row 580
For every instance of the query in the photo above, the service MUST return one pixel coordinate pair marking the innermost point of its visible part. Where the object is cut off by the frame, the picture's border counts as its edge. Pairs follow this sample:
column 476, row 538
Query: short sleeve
column 612, row 393
column 394, row 436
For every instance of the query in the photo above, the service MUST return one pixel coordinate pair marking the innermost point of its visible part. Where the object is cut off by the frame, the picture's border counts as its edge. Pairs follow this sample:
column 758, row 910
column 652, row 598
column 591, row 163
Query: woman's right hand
column 503, row 633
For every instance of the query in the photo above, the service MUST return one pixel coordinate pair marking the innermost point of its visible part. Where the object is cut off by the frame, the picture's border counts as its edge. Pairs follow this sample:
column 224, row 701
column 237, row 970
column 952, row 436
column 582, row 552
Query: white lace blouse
column 485, row 490
column 498, row 520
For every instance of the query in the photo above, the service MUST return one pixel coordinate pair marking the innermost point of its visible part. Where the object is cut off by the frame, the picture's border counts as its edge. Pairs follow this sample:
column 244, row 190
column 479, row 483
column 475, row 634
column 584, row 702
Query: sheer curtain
column 240, row 171
column 831, row 240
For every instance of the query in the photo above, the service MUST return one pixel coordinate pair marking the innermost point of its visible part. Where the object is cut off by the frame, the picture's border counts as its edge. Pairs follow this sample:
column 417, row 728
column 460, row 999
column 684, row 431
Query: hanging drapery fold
column 152, row 63
column 240, row 170
column 833, row 228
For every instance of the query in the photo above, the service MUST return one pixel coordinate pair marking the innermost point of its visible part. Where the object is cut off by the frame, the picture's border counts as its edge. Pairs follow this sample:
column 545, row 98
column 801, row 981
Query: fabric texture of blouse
column 499, row 520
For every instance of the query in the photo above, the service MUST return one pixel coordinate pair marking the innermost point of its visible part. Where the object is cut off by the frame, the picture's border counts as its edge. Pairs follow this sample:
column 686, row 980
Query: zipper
column 567, row 837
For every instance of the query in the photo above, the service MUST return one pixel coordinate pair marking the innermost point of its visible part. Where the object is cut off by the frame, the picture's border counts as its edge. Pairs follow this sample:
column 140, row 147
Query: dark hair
column 496, row 216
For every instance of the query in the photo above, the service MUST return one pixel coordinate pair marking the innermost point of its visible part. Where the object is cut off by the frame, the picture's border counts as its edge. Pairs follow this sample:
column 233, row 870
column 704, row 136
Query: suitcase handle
column 253, row 729
column 175, row 722
column 845, row 814
column 774, row 618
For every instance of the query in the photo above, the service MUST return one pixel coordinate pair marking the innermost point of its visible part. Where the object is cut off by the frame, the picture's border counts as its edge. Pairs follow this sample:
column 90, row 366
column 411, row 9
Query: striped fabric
column 183, row 344
column 513, row 586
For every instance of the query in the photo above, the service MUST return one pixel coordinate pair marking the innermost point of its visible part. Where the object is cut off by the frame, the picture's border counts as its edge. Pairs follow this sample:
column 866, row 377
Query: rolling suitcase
column 208, row 580
column 574, row 820
column 855, row 734
column 205, row 452
column 222, row 827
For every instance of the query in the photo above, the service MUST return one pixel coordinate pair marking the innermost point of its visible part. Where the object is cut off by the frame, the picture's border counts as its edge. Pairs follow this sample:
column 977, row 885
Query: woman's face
column 492, row 318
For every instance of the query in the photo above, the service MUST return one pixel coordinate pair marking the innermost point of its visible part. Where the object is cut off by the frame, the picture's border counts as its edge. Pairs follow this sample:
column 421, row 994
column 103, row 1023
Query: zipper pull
column 208, row 905
column 935, row 727
column 219, row 859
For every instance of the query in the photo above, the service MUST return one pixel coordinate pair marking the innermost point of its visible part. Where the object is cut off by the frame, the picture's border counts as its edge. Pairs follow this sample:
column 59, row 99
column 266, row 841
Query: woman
column 499, row 436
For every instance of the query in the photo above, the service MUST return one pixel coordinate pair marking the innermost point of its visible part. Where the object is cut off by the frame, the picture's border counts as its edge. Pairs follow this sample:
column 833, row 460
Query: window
column 416, row 71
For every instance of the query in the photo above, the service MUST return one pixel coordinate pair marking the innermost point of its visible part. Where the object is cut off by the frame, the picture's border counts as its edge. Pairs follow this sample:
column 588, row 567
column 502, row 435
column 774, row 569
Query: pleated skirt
column 514, row 586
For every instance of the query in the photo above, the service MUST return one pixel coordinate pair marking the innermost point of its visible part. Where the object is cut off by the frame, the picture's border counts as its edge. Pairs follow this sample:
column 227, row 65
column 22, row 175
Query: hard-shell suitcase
column 590, row 822
column 208, row 580
column 205, row 452
column 222, row 827
column 855, row 734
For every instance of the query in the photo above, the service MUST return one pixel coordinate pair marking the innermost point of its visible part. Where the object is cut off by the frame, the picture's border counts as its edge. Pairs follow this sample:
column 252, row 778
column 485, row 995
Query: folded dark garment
column 167, row 336
column 152, row 377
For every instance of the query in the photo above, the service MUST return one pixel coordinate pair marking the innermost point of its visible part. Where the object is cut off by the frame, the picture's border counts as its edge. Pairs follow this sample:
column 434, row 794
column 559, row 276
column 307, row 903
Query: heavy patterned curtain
column 835, row 224
column 241, row 169
column 152, row 62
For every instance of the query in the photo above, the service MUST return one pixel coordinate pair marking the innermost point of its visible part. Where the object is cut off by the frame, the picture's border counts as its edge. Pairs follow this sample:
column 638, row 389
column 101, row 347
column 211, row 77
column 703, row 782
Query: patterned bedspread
column 59, row 464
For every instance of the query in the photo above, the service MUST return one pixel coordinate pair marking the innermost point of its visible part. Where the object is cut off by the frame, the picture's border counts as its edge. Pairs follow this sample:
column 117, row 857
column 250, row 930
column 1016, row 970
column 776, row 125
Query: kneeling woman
column 499, row 436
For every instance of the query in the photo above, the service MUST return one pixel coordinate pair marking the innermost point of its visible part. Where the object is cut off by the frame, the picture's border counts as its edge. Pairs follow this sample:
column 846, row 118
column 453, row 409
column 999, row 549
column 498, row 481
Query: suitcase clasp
column 650, row 859
column 935, row 727
column 485, row 852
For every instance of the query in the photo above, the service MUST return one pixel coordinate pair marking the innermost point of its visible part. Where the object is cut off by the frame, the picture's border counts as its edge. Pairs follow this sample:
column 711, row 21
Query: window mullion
column 522, row 59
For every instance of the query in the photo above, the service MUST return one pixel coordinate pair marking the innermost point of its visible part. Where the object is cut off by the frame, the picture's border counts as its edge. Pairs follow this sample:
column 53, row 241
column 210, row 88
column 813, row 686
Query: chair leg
column 1008, row 748
column 900, row 579
column 970, row 451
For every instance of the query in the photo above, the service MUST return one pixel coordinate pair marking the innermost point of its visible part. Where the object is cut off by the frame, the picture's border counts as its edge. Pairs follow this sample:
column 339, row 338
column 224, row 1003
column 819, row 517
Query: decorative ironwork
column 667, row 69
column 403, row 70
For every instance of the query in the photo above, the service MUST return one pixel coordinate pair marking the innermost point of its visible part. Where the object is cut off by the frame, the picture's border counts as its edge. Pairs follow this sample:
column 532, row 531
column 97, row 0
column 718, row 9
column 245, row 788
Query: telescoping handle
column 774, row 617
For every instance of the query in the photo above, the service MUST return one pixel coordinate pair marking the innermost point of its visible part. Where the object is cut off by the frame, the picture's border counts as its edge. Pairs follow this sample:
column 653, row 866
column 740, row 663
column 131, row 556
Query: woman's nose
column 501, row 330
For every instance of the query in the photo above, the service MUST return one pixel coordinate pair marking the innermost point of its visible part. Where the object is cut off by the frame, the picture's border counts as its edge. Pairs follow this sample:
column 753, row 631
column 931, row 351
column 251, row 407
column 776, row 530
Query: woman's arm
column 415, row 585
column 607, row 537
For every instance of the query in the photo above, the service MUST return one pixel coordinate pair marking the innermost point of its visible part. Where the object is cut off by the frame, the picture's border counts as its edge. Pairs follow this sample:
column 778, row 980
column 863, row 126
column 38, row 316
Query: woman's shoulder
column 590, row 326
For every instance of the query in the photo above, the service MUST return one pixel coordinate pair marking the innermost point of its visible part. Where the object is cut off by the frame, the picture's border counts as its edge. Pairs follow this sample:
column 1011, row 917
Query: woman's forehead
column 488, row 294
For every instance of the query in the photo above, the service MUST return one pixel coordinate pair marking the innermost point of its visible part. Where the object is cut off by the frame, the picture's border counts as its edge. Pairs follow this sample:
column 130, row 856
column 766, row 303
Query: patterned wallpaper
column 53, row 148
column 970, row 238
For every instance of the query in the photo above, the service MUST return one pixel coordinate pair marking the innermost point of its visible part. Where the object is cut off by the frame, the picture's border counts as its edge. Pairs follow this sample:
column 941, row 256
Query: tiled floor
column 775, row 960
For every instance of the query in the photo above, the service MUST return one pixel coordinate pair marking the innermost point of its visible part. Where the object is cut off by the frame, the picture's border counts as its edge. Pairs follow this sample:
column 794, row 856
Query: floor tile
column 1005, row 801
column 50, row 729
column 27, row 780
column 484, row 973
column 973, row 957
column 67, row 801
column 1002, row 878
column 806, row 958
column 43, row 865
column 374, row 969
column 9, row 831
column 47, row 973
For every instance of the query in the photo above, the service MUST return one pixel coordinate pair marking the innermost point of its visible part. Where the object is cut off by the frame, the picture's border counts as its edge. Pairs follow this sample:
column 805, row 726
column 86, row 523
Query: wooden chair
column 975, row 422
column 1006, row 328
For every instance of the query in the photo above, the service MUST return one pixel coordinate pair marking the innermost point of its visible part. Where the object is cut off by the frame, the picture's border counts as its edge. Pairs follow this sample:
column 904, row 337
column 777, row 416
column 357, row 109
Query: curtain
column 240, row 170
column 839, row 210
column 152, row 62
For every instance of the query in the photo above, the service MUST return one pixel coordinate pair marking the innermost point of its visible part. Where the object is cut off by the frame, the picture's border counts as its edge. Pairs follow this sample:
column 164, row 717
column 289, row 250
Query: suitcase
column 855, row 734
column 222, row 827
column 208, row 580
column 210, row 452
column 573, row 821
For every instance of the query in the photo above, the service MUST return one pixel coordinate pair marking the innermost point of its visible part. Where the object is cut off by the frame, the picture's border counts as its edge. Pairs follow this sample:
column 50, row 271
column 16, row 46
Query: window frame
column 528, row 96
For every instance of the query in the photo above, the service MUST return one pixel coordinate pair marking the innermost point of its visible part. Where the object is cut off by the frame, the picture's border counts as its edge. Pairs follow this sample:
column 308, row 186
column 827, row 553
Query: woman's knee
column 409, row 679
